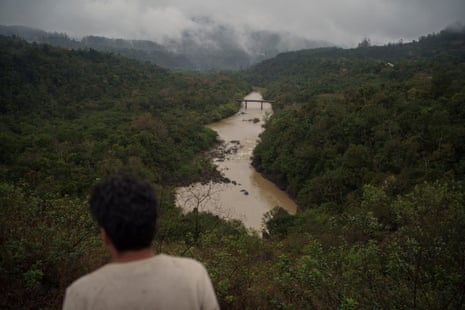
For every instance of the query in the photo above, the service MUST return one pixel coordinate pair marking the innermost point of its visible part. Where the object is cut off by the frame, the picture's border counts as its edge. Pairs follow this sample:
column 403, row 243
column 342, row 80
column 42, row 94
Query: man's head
column 125, row 207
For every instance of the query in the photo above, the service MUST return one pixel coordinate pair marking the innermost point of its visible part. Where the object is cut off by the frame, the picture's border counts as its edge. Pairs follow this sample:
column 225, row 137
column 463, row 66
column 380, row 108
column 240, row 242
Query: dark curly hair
column 126, row 207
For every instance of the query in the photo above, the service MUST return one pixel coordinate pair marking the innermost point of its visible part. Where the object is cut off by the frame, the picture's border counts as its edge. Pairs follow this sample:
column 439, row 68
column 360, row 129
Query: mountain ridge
column 209, row 48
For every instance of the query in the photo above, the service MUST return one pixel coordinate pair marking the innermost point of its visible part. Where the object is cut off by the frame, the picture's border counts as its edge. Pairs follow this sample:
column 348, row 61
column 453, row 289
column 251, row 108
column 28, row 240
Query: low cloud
column 343, row 22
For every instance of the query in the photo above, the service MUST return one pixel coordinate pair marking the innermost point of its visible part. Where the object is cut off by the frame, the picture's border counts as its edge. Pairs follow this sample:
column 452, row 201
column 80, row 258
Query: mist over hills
column 212, row 45
column 208, row 47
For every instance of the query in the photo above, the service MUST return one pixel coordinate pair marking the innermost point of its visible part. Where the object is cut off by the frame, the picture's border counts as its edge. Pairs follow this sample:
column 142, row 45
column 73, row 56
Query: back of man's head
column 125, row 207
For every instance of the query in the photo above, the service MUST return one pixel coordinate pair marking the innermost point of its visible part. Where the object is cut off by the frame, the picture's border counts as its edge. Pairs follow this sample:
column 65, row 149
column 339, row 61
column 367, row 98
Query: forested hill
column 298, row 76
column 371, row 143
column 68, row 117
column 355, row 117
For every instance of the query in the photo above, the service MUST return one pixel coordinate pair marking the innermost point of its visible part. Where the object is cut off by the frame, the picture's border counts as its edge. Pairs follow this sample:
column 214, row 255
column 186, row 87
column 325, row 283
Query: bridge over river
column 245, row 101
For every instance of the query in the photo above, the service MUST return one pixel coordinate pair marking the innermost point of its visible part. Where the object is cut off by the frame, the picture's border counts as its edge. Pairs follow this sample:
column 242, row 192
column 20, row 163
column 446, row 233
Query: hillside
column 299, row 76
column 361, row 116
column 50, row 97
column 371, row 143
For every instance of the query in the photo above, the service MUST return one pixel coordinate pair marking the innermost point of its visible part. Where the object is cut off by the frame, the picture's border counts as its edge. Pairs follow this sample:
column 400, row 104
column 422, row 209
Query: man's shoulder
column 84, row 289
column 181, row 262
column 90, row 281
column 97, row 278
column 178, row 259
column 163, row 274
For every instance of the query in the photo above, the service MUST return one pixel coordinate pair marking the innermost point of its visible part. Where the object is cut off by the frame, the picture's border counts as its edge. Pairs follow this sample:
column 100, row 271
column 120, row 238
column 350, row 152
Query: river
column 249, row 196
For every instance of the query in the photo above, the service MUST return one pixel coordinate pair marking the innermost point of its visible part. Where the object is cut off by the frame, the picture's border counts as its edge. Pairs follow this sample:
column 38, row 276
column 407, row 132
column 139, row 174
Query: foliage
column 379, row 124
column 370, row 142
column 297, row 77
column 91, row 114
column 47, row 241
column 69, row 118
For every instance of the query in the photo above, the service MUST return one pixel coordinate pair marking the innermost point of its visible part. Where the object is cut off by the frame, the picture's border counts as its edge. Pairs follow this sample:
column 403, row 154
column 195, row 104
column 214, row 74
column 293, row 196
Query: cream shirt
column 160, row 282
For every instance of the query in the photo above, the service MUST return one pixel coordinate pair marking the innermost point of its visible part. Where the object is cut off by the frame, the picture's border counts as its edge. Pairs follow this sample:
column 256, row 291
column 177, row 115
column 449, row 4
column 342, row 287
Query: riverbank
column 239, row 192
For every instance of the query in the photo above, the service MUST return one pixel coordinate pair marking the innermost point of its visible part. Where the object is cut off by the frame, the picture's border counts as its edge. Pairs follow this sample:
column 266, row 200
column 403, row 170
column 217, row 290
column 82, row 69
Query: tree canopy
column 351, row 118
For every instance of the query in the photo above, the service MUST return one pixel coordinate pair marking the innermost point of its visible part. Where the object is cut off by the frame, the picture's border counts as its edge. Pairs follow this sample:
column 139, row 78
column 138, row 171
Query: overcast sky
column 343, row 22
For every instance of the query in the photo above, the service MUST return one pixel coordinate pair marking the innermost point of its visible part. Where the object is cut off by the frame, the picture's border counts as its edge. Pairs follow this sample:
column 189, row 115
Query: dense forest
column 369, row 141
column 365, row 116
column 68, row 119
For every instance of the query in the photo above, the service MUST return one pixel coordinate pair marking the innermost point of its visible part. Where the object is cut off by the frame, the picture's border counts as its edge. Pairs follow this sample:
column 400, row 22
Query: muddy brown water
column 249, row 196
